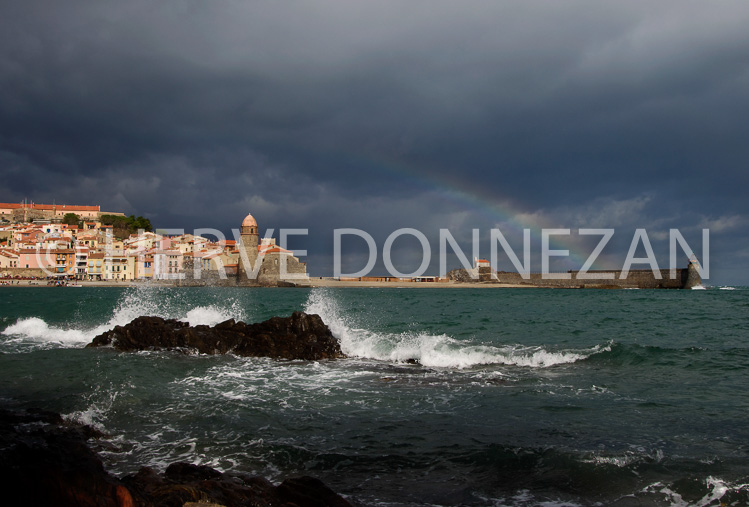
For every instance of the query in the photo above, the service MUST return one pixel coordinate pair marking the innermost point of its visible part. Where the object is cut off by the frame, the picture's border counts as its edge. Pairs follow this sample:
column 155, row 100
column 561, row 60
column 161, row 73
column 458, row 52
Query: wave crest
column 432, row 350
column 36, row 329
column 134, row 303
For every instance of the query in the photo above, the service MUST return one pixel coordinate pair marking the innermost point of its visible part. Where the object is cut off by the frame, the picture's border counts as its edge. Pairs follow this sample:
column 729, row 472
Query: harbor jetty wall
column 635, row 279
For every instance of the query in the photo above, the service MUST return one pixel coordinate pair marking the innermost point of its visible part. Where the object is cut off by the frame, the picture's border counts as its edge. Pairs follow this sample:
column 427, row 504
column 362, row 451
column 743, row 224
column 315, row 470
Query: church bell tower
column 248, row 252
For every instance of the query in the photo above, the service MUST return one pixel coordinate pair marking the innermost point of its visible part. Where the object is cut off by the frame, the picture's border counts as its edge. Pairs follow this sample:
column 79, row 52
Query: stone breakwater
column 300, row 336
column 45, row 460
column 595, row 279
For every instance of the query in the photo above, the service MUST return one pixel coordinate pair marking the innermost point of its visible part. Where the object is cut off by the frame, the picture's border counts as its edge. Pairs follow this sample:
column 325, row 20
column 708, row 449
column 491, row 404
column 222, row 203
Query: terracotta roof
column 268, row 249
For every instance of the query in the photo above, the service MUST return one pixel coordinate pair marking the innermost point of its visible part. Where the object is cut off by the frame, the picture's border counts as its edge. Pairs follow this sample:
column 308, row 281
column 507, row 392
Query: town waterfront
column 519, row 397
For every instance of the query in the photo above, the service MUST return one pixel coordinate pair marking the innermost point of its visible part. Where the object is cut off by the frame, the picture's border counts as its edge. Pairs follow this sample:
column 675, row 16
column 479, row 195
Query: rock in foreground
column 45, row 460
column 301, row 336
column 183, row 483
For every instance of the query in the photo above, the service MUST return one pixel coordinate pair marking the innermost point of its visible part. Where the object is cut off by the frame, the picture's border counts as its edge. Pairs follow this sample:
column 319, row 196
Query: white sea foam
column 209, row 315
column 101, row 401
column 92, row 416
column 717, row 488
column 35, row 329
column 524, row 498
column 134, row 303
column 431, row 350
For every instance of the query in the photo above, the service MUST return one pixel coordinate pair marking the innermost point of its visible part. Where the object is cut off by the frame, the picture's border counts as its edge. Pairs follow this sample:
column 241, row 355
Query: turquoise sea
column 522, row 396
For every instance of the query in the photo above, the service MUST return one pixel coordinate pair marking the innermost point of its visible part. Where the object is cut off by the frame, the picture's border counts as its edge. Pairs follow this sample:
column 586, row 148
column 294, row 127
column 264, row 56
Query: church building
column 264, row 263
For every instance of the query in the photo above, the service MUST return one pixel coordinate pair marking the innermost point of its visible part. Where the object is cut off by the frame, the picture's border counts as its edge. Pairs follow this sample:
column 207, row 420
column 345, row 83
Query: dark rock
column 45, row 460
column 184, row 472
column 300, row 336
column 183, row 483
column 310, row 492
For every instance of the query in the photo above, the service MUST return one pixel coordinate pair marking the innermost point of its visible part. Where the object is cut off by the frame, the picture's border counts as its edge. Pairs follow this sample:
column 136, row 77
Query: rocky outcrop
column 301, row 336
column 183, row 483
column 45, row 460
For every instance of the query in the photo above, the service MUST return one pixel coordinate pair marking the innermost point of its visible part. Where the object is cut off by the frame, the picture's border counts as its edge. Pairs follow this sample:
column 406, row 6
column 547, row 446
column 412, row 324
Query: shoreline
column 314, row 283
column 43, row 283
column 318, row 283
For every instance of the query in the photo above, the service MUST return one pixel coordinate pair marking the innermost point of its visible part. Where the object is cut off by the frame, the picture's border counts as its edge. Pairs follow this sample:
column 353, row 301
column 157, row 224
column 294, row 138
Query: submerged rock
column 45, row 460
column 300, row 336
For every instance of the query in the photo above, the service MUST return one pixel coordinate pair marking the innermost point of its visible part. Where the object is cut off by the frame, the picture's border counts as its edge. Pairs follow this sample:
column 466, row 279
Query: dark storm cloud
column 334, row 114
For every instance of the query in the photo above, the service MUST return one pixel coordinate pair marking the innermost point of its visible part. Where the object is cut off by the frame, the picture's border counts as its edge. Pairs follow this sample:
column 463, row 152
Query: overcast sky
column 388, row 114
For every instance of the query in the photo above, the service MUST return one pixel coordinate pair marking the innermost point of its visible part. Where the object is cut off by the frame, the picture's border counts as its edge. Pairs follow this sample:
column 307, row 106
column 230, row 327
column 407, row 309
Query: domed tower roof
column 249, row 221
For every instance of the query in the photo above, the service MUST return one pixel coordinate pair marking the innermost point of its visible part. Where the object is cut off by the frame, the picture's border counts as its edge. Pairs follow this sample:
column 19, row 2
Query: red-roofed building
column 8, row 259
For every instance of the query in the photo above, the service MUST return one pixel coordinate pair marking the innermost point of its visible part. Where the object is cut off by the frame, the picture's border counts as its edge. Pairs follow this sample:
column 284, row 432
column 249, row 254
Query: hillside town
column 39, row 242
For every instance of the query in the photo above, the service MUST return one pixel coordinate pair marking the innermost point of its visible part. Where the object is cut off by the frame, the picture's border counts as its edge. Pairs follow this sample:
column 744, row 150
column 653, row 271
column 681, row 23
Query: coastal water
column 520, row 397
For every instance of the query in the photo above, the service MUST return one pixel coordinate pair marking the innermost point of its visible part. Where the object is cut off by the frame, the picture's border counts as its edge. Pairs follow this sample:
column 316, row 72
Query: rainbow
column 501, row 213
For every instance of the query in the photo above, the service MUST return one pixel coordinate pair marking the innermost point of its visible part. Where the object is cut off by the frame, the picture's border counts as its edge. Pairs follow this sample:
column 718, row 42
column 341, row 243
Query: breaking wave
column 134, row 303
column 36, row 329
column 432, row 350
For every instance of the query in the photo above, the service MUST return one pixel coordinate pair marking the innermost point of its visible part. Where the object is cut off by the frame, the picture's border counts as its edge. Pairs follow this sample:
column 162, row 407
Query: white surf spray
column 171, row 304
column 716, row 490
column 142, row 301
column 35, row 329
column 431, row 350
column 210, row 315
column 95, row 414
